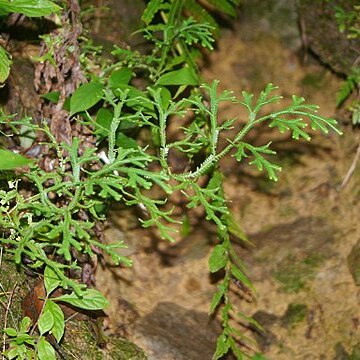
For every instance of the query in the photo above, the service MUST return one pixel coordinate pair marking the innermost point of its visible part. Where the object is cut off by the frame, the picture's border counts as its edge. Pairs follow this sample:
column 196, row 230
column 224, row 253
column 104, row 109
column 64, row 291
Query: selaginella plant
column 52, row 208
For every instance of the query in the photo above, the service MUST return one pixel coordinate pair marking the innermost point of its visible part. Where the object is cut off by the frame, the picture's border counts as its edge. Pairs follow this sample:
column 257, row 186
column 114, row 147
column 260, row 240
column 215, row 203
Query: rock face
column 177, row 333
column 321, row 33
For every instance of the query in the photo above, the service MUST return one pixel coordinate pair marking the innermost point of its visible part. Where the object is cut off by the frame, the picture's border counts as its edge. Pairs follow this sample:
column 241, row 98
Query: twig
column 6, row 317
column 352, row 168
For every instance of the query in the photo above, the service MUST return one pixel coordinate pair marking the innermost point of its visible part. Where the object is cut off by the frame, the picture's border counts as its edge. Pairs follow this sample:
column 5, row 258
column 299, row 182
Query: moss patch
column 295, row 314
column 294, row 273
column 12, row 291
column 80, row 343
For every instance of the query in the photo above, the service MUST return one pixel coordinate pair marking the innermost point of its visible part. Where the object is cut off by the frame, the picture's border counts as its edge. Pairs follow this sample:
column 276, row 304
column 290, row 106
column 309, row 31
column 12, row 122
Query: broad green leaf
column 10, row 160
column 120, row 77
column 24, row 338
column 103, row 121
column 51, row 280
column 5, row 64
column 91, row 300
column 182, row 76
column 222, row 347
column 59, row 323
column 10, row 332
column 31, row 8
column 45, row 322
column 86, row 96
column 25, row 324
column 44, row 350
column 126, row 142
column 218, row 258
column 135, row 97
column 52, row 96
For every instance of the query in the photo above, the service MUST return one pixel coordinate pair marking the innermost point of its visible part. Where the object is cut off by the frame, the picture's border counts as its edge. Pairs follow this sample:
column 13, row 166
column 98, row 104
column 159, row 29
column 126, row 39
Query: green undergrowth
column 109, row 141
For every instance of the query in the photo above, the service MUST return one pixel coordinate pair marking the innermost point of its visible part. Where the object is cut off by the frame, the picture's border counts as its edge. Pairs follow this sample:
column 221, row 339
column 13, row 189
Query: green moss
column 80, row 342
column 313, row 80
column 12, row 280
column 294, row 273
column 295, row 314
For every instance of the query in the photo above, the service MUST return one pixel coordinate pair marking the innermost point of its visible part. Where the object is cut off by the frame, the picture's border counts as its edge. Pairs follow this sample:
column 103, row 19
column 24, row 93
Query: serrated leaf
column 218, row 258
column 86, row 96
column 58, row 327
column 31, row 8
column 91, row 300
column 184, row 76
column 10, row 160
column 45, row 322
column 5, row 64
column 44, row 350
column 51, row 280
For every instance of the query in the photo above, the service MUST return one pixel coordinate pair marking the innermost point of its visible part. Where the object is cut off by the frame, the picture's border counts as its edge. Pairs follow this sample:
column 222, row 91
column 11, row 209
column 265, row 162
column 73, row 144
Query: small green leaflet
column 25, row 324
column 222, row 288
column 51, row 280
column 10, row 332
column 10, row 160
column 31, row 8
column 44, row 350
column 86, row 96
column 184, row 76
column 218, row 258
column 45, row 322
column 259, row 160
column 58, row 326
column 222, row 346
column 5, row 64
column 91, row 300
column 126, row 142
column 295, row 125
